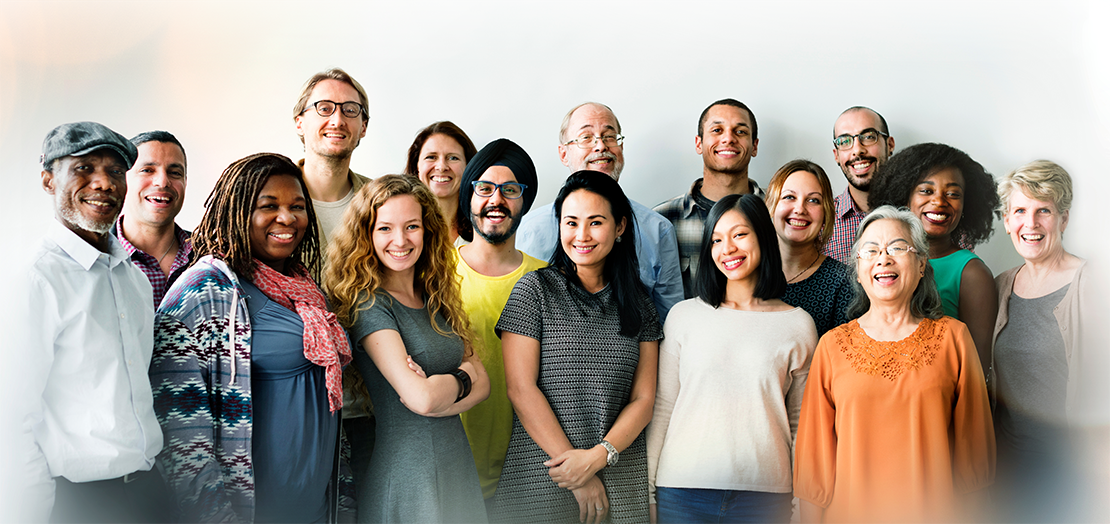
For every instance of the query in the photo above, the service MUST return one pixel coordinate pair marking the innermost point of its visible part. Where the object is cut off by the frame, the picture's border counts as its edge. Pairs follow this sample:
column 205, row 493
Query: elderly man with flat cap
column 498, row 187
column 83, row 435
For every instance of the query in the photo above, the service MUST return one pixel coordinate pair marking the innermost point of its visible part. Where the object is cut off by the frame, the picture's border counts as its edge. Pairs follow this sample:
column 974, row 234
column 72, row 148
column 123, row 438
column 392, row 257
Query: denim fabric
column 692, row 505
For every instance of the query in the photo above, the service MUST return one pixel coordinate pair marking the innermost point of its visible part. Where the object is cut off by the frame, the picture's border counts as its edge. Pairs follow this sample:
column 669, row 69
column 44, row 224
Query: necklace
column 802, row 272
column 168, row 249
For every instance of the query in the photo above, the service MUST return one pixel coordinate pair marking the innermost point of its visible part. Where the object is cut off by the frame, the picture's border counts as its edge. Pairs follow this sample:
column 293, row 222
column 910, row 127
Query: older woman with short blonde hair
column 1040, row 358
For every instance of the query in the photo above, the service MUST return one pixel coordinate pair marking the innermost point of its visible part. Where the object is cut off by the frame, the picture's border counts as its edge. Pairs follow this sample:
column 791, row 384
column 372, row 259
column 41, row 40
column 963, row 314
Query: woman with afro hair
column 956, row 201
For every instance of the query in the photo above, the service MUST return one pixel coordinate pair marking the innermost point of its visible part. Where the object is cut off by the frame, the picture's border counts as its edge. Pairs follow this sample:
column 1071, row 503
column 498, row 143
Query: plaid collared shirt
column 848, row 217
column 148, row 264
column 688, row 214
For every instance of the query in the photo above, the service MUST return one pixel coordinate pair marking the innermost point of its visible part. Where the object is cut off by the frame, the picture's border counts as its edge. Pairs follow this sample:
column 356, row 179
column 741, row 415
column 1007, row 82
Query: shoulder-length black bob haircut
column 709, row 284
column 621, row 266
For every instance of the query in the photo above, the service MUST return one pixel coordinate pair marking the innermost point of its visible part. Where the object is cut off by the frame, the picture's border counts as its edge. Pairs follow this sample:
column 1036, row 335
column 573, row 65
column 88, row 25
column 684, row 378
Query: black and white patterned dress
column 825, row 295
column 586, row 370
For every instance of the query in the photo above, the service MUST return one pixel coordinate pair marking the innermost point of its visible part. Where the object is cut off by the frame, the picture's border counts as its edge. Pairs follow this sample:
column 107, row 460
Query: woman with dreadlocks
column 247, row 359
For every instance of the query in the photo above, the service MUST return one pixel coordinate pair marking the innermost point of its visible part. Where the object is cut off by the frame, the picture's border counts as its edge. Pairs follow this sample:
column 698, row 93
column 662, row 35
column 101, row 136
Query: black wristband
column 464, row 383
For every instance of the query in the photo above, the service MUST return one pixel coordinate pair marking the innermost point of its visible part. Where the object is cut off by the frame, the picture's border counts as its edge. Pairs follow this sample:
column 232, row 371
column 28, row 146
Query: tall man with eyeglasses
column 590, row 138
column 498, row 188
column 727, row 140
column 861, row 143
column 331, row 116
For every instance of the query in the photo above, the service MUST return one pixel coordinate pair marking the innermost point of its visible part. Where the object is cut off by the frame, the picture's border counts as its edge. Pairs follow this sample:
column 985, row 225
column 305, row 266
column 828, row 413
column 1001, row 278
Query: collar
column 697, row 200
column 80, row 251
column 180, row 234
column 845, row 205
column 356, row 180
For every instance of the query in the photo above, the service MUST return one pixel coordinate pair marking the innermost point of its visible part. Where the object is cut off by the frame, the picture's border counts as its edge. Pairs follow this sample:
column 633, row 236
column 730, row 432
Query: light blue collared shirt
column 656, row 250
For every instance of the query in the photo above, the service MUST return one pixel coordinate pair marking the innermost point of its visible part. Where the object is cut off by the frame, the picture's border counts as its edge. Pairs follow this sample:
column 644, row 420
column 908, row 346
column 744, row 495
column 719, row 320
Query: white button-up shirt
column 79, row 343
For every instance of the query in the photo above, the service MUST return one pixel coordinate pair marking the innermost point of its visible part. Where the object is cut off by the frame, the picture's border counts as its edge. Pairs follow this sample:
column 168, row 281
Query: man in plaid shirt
column 727, row 140
column 155, row 193
column 861, row 143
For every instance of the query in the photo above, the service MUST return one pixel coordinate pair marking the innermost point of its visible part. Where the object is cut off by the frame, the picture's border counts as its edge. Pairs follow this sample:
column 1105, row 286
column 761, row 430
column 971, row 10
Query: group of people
column 427, row 347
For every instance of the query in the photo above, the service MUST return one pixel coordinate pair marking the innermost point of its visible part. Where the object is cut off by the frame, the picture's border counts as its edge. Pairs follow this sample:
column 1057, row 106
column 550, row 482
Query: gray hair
column 925, row 301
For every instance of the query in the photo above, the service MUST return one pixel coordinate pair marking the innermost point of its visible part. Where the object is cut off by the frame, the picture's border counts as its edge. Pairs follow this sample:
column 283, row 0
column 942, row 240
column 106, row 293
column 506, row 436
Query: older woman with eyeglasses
column 895, row 423
column 1040, row 374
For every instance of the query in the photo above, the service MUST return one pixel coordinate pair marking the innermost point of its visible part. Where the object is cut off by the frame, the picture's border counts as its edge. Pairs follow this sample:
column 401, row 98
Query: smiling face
column 441, row 165
column 1036, row 227
column 726, row 144
column 278, row 221
column 399, row 234
column 889, row 280
column 587, row 229
column 735, row 247
column 798, row 215
column 335, row 136
column 938, row 201
column 495, row 218
column 88, row 192
column 860, row 162
column 156, row 184
column 596, row 121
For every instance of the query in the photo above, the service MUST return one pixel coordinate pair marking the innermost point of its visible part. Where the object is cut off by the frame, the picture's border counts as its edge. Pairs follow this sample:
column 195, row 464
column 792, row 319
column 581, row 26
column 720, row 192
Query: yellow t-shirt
column 490, row 424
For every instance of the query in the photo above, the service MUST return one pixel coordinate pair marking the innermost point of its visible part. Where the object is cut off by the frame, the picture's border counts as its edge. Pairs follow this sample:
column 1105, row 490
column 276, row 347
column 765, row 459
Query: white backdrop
column 1006, row 82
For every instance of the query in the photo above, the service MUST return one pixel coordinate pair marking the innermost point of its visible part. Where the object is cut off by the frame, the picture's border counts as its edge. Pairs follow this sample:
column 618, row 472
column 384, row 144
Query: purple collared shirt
column 848, row 218
column 148, row 264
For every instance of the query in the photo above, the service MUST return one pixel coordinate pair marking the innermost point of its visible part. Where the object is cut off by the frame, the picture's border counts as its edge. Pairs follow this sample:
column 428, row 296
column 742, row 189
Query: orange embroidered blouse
column 894, row 431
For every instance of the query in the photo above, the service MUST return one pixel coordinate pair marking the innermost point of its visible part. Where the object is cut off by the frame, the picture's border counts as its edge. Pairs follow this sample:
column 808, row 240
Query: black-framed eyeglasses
column 588, row 141
column 896, row 249
column 325, row 108
column 866, row 138
column 510, row 190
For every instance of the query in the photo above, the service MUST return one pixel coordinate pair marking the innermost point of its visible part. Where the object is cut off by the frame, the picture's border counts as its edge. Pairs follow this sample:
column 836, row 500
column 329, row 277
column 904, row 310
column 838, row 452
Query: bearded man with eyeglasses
column 861, row 143
column 590, row 138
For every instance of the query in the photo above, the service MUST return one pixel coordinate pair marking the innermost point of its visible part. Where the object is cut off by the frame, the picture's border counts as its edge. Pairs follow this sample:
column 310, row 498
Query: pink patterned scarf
column 325, row 341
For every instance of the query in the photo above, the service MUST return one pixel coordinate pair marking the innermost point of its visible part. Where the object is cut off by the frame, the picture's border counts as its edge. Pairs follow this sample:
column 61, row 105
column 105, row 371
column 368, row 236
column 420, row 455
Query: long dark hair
column 225, row 229
column 710, row 283
column 621, row 267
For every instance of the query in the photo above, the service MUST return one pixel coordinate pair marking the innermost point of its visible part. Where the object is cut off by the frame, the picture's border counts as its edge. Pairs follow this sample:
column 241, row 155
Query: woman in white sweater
column 732, row 367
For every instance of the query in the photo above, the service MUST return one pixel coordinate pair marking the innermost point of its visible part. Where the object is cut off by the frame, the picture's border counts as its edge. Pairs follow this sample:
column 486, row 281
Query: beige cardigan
column 1076, row 317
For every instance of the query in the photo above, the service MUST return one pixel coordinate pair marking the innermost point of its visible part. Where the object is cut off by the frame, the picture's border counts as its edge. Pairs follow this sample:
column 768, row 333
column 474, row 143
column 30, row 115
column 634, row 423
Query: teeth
column 160, row 200
column 936, row 217
column 98, row 203
column 1032, row 238
column 797, row 223
column 600, row 161
column 583, row 249
column 441, row 179
column 886, row 276
column 282, row 236
column 733, row 264
column 495, row 214
column 399, row 254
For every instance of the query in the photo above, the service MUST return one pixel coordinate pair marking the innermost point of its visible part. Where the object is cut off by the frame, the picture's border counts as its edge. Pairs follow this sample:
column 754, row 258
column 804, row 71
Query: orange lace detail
column 890, row 359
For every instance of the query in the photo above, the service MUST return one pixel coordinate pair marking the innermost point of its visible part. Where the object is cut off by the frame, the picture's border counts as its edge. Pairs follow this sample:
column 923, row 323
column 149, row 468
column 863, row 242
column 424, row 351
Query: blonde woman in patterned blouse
column 895, row 423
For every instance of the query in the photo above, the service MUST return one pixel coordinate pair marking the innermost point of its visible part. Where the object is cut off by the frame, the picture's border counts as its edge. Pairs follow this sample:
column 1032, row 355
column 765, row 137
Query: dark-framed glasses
column 587, row 141
column 896, row 249
column 511, row 190
column 325, row 108
column 867, row 138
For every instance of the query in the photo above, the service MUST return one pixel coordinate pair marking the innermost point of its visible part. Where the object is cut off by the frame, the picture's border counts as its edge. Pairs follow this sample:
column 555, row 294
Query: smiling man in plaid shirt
column 727, row 140
column 861, row 143
column 155, row 193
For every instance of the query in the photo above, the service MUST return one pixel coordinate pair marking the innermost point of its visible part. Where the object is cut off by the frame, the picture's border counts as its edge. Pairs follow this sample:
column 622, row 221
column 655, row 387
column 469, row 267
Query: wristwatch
column 611, row 458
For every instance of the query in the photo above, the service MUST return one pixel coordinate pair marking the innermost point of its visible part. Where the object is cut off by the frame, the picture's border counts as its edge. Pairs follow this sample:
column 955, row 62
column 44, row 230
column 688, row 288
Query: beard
column 68, row 212
column 494, row 238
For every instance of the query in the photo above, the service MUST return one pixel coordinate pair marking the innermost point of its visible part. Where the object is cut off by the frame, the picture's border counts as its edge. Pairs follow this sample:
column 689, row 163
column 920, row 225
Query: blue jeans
column 682, row 505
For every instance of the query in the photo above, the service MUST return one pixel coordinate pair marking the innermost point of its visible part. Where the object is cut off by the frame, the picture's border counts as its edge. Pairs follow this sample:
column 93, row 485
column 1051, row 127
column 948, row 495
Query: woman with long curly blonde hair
column 391, row 279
